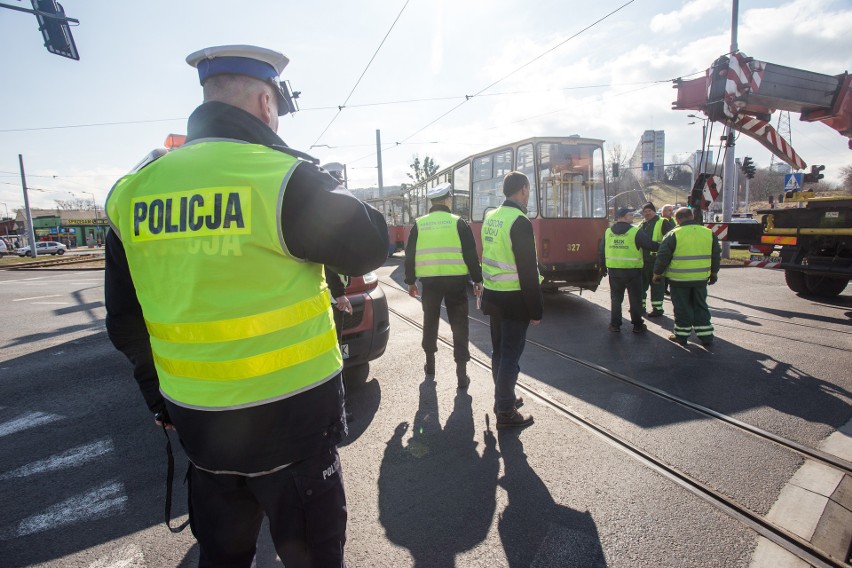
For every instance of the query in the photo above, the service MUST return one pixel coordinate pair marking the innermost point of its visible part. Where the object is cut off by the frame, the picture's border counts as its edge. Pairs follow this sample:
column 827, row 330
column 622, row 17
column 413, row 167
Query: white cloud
column 689, row 13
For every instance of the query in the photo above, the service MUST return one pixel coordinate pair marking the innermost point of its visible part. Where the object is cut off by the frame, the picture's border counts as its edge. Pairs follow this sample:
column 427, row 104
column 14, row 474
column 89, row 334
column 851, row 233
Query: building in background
column 649, row 156
column 73, row 228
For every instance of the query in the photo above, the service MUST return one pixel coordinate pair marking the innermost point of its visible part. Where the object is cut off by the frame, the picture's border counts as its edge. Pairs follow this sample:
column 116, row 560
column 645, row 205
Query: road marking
column 107, row 500
column 69, row 458
column 27, row 421
column 50, row 303
column 37, row 298
column 128, row 556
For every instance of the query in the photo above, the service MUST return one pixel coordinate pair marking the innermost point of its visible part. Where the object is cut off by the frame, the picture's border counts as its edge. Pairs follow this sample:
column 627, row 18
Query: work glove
column 657, row 278
column 712, row 280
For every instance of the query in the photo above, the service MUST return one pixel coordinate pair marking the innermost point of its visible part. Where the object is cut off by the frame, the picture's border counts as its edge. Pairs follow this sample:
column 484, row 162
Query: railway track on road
column 776, row 534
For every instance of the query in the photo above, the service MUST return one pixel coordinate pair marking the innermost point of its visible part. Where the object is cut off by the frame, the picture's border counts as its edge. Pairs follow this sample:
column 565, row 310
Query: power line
column 530, row 62
column 340, row 108
column 91, row 124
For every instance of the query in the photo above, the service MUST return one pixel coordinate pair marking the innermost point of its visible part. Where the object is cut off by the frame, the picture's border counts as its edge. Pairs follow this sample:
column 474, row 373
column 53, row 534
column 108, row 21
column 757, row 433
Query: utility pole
column 30, row 229
column 379, row 163
column 730, row 179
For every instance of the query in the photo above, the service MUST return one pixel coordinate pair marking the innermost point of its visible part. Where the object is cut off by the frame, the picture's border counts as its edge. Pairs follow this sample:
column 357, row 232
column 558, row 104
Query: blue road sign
column 647, row 166
column 792, row 182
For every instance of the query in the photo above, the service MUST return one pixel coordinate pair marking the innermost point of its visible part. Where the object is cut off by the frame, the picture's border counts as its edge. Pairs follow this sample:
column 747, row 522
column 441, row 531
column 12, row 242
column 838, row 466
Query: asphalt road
column 429, row 481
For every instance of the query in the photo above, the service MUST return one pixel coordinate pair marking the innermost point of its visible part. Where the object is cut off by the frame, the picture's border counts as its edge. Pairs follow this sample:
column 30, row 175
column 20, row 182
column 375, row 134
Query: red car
column 366, row 330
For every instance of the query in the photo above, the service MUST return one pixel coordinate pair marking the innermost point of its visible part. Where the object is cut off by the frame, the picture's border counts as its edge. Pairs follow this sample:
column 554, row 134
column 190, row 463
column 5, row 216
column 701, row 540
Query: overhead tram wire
column 364, row 72
column 530, row 62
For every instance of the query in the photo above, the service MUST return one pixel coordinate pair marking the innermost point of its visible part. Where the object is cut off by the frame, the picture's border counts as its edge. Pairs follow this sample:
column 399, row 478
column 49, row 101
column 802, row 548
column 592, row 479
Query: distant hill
column 662, row 193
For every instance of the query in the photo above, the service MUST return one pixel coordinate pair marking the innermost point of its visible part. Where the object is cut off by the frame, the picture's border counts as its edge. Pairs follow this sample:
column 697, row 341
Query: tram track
column 769, row 530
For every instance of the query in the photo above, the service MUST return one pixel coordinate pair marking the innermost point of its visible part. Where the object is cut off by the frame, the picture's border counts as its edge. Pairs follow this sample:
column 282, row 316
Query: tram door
column 564, row 196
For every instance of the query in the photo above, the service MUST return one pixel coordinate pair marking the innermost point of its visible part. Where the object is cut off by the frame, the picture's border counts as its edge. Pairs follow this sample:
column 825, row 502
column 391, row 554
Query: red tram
column 398, row 218
column 568, row 201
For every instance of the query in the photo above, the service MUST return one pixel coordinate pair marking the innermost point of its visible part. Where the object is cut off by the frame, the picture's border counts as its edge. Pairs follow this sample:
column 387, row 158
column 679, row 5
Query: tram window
column 526, row 165
column 571, row 178
column 461, row 191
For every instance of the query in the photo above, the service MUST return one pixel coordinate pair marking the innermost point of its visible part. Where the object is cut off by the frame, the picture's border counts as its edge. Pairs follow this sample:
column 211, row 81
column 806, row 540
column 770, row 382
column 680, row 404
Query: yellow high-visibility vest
column 234, row 320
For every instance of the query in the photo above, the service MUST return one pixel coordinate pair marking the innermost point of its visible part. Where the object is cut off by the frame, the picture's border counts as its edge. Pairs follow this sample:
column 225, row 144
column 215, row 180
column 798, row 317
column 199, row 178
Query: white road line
column 107, row 500
column 27, row 421
column 36, row 298
column 69, row 458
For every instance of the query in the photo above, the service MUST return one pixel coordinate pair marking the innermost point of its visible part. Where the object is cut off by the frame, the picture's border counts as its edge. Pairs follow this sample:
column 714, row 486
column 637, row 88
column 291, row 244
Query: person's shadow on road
column 437, row 493
column 535, row 530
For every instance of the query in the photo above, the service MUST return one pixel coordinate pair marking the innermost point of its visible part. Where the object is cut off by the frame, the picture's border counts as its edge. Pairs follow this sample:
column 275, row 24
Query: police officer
column 441, row 252
column 512, row 296
column 214, row 291
column 622, row 260
column 689, row 257
column 654, row 227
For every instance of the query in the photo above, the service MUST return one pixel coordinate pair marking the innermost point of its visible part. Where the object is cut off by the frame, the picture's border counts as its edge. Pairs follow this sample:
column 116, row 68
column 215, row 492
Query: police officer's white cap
column 250, row 60
column 333, row 167
column 439, row 191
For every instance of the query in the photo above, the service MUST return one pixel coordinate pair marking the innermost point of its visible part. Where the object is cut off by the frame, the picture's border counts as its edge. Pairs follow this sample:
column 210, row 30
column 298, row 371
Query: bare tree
column 75, row 204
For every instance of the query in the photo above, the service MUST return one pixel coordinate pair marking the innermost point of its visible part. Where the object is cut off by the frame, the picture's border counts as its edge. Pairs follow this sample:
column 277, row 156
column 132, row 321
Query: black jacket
column 468, row 245
column 642, row 240
column 321, row 223
column 647, row 227
column 526, row 303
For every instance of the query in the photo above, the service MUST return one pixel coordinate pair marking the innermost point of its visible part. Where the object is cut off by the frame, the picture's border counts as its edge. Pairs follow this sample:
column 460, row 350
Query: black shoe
column 678, row 340
column 614, row 328
column 429, row 367
column 654, row 314
column 513, row 419
column 707, row 343
column 639, row 328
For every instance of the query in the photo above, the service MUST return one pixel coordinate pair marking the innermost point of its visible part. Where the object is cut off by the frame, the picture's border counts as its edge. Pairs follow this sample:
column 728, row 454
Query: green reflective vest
column 438, row 251
column 621, row 250
column 499, row 271
column 234, row 320
column 692, row 256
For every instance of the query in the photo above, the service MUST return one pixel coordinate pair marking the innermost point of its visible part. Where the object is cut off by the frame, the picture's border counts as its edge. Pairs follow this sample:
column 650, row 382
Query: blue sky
column 132, row 72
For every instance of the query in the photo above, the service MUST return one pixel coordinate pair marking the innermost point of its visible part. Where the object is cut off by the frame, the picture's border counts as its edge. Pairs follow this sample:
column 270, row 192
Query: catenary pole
column 730, row 153
column 30, row 229
column 379, row 162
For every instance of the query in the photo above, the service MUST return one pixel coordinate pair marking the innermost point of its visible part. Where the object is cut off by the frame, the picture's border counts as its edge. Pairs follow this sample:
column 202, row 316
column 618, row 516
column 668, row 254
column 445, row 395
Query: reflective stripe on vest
column 234, row 320
column 499, row 271
column 621, row 250
column 438, row 251
column 692, row 258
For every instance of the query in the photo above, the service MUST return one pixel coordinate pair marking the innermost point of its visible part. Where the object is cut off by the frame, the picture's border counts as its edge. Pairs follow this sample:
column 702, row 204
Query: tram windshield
column 572, row 180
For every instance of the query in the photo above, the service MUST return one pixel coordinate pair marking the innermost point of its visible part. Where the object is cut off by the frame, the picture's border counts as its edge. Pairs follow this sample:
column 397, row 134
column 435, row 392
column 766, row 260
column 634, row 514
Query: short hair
column 684, row 214
column 235, row 89
column 649, row 205
column 514, row 182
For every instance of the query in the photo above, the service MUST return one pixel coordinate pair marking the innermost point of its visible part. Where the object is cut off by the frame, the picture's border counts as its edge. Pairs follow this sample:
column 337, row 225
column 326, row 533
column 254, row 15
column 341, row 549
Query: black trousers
column 453, row 292
column 305, row 503
column 631, row 281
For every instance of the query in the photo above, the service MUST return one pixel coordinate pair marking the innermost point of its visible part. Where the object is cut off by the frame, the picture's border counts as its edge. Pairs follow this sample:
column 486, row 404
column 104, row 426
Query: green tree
column 422, row 170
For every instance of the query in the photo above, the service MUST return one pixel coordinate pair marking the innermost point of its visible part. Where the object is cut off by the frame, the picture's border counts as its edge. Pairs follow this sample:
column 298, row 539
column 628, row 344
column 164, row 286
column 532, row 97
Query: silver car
column 44, row 247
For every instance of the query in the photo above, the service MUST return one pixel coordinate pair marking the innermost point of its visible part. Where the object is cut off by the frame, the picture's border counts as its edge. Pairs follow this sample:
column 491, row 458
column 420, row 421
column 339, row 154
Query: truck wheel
column 825, row 286
column 795, row 281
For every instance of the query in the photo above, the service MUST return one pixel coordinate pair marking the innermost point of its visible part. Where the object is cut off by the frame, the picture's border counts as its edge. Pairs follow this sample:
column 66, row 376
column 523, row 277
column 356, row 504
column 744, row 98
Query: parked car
column 44, row 247
column 366, row 330
column 4, row 249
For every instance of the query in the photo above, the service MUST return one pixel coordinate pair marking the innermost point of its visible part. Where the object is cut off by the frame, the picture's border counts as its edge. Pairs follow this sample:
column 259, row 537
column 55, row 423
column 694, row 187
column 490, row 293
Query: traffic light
column 814, row 176
column 54, row 28
column 748, row 167
column 614, row 170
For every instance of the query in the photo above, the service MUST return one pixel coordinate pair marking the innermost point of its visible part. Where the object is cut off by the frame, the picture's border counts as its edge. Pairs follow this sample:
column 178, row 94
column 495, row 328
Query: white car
column 44, row 247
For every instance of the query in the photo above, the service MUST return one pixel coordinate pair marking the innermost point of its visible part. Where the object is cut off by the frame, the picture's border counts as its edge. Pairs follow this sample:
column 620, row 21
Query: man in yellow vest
column 654, row 227
column 689, row 257
column 512, row 296
column 214, row 291
column 441, row 252
column 621, row 258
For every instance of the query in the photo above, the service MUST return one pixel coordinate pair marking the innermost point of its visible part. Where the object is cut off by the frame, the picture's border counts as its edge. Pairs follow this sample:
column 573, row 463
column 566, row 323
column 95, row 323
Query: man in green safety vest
column 441, row 252
column 654, row 227
column 621, row 258
column 512, row 296
column 689, row 257
column 215, row 292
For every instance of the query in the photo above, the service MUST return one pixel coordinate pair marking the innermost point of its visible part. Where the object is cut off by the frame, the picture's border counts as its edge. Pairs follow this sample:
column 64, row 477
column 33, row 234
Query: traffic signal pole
column 729, row 181
column 30, row 229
